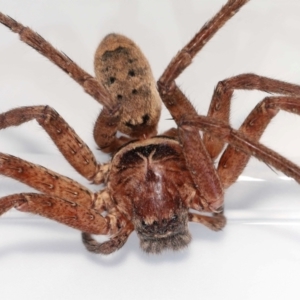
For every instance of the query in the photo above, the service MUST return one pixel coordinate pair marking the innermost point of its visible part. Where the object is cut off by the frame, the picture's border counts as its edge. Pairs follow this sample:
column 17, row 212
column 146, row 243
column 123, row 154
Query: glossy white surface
column 257, row 256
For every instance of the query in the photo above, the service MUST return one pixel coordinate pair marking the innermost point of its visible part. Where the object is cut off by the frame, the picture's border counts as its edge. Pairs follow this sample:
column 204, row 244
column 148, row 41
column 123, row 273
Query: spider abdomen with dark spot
column 125, row 72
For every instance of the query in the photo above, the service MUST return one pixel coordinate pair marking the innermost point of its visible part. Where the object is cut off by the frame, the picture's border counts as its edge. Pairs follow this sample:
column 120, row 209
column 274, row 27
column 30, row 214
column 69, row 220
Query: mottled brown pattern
column 121, row 67
column 152, row 182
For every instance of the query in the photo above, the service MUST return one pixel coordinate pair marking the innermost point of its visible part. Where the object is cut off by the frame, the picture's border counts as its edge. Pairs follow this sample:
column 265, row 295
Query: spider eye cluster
column 162, row 234
column 160, row 227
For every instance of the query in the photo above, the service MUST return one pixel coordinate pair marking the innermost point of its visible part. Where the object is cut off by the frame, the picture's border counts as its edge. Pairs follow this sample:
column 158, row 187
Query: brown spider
column 152, row 181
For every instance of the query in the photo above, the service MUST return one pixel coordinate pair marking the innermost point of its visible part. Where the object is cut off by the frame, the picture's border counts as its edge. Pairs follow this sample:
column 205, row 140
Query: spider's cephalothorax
column 154, row 185
column 153, row 179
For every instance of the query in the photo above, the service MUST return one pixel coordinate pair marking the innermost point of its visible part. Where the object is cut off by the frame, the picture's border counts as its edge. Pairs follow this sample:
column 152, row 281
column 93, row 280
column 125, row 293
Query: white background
column 257, row 256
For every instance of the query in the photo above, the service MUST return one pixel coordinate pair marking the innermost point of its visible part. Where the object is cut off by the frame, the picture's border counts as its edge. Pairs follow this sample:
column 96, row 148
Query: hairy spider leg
column 184, row 57
column 67, row 141
column 221, row 100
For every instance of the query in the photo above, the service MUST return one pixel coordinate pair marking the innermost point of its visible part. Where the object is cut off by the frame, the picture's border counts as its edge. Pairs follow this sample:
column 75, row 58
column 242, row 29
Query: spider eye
column 112, row 79
column 119, row 97
column 174, row 218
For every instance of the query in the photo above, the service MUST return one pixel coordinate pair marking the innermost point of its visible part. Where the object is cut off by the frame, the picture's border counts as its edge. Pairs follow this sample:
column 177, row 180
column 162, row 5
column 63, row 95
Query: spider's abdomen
column 122, row 68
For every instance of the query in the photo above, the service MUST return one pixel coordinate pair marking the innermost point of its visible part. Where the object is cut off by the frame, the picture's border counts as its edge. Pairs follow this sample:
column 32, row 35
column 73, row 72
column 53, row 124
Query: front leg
column 72, row 214
column 201, row 168
column 63, row 211
column 45, row 180
column 197, row 159
column 114, row 243
column 68, row 142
